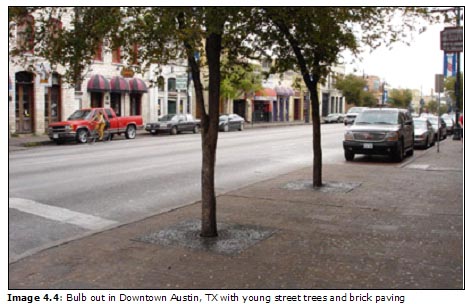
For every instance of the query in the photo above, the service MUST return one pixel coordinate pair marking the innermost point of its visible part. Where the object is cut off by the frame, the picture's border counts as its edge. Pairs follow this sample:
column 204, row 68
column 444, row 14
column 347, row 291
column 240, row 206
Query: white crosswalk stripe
column 63, row 215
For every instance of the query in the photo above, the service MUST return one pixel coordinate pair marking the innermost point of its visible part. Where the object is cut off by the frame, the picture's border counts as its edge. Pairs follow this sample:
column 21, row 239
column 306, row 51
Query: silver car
column 424, row 133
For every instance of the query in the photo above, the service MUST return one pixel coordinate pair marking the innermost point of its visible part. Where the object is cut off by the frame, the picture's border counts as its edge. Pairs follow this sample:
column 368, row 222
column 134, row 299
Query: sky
column 409, row 67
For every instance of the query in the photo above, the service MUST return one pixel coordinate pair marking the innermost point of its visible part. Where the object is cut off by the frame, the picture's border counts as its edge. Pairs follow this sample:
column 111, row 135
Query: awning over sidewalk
column 284, row 91
column 265, row 94
column 119, row 85
column 137, row 85
column 98, row 83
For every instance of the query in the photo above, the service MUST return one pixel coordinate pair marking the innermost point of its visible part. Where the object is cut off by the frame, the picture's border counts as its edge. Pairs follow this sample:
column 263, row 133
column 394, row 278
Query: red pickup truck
column 79, row 125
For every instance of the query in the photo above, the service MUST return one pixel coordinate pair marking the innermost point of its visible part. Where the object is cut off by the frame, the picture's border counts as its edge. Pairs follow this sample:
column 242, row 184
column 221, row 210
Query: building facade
column 38, row 95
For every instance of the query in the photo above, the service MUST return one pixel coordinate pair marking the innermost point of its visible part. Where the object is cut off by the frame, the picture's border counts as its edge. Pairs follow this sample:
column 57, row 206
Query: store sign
column 127, row 72
column 452, row 39
column 181, row 83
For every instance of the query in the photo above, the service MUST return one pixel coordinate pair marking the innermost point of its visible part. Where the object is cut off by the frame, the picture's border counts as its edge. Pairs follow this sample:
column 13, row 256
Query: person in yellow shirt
column 100, row 124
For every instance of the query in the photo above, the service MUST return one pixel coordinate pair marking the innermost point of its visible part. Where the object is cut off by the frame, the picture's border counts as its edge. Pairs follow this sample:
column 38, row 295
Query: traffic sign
column 452, row 39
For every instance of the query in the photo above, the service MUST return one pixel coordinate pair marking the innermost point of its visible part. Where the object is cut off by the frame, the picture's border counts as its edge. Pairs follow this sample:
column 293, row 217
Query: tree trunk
column 210, row 137
column 316, row 123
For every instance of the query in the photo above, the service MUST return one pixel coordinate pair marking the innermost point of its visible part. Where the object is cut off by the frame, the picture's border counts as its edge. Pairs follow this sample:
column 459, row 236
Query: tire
column 196, row 129
column 349, row 155
column 153, row 132
column 82, row 136
column 130, row 132
column 398, row 156
column 241, row 127
column 174, row 131
column 226, row 128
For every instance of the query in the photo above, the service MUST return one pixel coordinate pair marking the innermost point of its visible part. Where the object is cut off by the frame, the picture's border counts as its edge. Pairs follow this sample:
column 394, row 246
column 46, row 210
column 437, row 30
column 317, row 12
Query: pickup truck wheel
column 174, row 131
column 130, row 132
column 82, row 136
column 196, row 129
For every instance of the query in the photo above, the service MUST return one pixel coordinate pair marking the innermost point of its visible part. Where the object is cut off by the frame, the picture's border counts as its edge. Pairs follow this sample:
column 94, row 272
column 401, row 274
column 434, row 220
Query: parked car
column 380, row 131
column 334, row 117
column 440, row 128
column 230, row 122
column 352, row 114
column 424, row 133
column 79, row 125
column 449, row 123
column 174, row 124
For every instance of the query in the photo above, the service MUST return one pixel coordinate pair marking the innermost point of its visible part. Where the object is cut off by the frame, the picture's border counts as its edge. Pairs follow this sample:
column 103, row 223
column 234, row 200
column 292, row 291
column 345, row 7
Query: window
column 116, row 55
column 99, row 52
column 171, row 84
column 109, row 113
column 135, row 54
column 25, row 34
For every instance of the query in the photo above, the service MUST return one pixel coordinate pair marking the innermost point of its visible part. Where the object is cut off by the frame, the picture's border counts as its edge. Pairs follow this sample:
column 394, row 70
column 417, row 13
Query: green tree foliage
column 353, row 89
column 449, row 85
column 400, row 98
column 239, row 80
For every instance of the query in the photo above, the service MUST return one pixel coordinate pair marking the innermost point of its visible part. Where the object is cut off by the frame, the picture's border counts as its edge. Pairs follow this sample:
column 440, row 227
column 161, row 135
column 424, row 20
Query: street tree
column 150, row 35
column 353, row 89
column 400, row 98
column 239, row 80
column 312, row 40
column 449, row 86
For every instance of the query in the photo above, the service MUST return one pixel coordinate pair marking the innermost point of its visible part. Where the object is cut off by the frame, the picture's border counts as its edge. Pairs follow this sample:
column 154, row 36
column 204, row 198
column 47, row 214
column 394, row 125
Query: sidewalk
column 373, row 226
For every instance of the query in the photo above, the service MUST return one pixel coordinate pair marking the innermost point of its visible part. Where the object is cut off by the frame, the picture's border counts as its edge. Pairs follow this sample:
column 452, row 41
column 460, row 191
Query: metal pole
column 457, row 128
column 439, row 119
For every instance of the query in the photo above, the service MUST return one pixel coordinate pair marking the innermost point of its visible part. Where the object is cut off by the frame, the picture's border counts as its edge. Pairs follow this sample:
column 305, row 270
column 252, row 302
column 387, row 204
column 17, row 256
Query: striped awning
column 284, row 91
column 137, row 85
column 265, row 94
column 119, row 85
column 98, row 83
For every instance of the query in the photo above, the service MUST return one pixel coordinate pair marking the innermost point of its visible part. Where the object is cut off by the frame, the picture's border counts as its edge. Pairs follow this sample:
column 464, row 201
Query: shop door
column 24, row 101
column 239, row 107
column 297, row 109
column 325, row 103
column 52, row 101
column 171, row 107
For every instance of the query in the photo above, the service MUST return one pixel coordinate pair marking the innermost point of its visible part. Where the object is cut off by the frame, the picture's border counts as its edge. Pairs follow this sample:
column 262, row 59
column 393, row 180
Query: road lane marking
column 63, row 215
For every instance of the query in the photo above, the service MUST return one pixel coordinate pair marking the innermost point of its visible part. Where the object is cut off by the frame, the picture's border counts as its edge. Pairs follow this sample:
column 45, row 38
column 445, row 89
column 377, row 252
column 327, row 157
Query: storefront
column 119, row 87
column 97, row 86
column 263, row 105
column 137, row 87
column 24, row 102
column 281, row 112
column 53, row 101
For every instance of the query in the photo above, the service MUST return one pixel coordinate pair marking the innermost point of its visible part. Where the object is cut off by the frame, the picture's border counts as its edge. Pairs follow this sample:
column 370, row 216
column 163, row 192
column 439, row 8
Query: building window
column 25, row 34
column 116, row 55
column 161, row 83
column 99, row 52
column 134, row 54
column 172, row 84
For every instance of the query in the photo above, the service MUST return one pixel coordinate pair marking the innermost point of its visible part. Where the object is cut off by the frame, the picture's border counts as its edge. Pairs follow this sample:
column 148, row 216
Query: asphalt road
column 58, row 193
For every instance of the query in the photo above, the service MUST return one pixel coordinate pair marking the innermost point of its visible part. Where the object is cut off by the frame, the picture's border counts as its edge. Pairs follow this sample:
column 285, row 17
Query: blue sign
column 450, row 64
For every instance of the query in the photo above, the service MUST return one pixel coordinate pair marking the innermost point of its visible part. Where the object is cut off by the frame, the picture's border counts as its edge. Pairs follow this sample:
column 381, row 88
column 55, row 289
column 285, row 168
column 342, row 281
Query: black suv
column 380, row 131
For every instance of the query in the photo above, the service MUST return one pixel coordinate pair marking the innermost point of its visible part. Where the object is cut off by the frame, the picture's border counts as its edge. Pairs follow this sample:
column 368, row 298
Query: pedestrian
column 461, row 126
column 100, row 124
